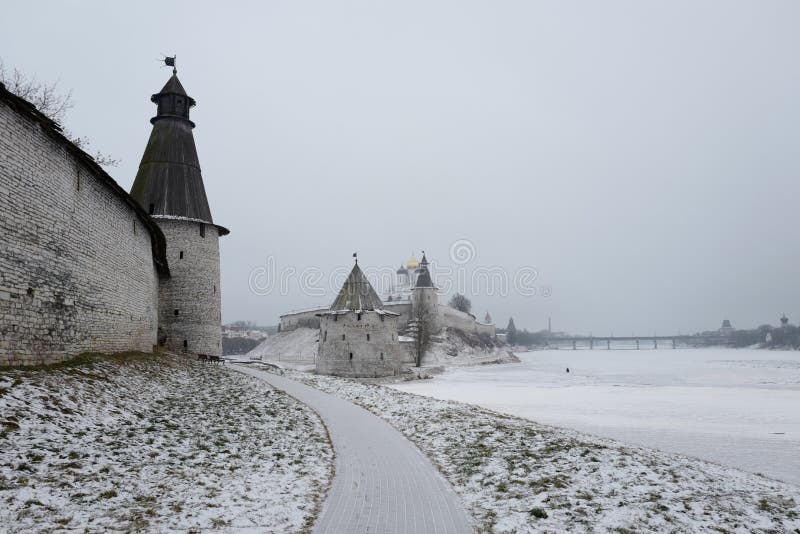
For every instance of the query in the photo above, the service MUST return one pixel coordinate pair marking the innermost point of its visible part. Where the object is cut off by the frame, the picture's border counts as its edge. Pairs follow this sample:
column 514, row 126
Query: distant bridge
column 640, row 342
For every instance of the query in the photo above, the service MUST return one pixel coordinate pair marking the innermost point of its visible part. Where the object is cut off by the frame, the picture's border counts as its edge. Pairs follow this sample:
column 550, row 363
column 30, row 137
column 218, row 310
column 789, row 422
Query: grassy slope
column 155, row 442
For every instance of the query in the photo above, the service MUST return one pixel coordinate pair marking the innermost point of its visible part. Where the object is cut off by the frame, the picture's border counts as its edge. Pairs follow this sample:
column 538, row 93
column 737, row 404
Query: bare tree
column 460, row 303
column 420, row 329
column 51, row 102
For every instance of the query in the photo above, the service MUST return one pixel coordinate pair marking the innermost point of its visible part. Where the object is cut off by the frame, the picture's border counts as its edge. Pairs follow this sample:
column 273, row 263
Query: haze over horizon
column 641, row 157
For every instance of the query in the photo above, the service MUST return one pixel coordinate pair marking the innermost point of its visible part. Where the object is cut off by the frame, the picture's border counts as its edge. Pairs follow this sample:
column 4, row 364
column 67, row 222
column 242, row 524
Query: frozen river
column 736, row 407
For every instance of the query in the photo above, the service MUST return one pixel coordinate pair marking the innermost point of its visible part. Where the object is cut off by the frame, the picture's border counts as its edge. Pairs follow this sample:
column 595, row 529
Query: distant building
column 726, row 330
column 357, row 337
column 414, row 286
column 405, row 280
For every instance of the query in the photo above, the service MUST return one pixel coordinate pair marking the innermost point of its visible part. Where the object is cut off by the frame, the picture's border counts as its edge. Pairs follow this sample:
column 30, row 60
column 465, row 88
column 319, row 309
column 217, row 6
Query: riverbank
column 736, row 407
column 515, row 475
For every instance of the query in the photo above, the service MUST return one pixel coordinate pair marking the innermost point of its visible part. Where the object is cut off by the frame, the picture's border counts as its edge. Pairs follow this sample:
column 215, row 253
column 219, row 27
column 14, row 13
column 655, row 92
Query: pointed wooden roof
column 357, row 294
column 173, row 86
column 169, row 183
column 424, row 277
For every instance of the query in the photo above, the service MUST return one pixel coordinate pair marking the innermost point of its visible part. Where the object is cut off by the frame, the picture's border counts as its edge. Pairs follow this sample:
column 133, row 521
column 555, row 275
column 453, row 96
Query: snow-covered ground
column 294, row 349
column 158, row 444
column 515, row 475
column 738, row 407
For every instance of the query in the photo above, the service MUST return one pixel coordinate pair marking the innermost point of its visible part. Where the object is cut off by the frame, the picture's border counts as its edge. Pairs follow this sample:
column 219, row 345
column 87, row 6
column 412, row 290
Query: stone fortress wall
column 446, row 317
column 301, row 319
column 190, row 304
column 79, row 261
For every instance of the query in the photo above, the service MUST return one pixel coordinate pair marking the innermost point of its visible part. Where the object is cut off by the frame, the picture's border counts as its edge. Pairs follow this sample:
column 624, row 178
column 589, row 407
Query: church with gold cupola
column 405, row 279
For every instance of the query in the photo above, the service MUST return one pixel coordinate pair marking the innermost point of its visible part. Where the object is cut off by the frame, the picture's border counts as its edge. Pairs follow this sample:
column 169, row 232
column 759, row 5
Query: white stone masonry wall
column 365, row 347
column 76, row 264
column 190, row 305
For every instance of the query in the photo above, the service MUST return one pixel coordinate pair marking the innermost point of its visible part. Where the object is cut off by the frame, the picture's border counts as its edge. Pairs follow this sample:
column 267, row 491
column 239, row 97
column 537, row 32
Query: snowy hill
column 294, row 348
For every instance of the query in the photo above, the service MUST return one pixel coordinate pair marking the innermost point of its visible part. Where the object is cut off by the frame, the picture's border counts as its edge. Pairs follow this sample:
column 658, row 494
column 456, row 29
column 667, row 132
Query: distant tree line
column 786, row 335
column 460, row 303
column 523, row 337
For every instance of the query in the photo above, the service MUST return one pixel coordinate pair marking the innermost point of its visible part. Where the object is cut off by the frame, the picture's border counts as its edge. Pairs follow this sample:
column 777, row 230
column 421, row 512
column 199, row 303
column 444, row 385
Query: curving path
column 383, row 483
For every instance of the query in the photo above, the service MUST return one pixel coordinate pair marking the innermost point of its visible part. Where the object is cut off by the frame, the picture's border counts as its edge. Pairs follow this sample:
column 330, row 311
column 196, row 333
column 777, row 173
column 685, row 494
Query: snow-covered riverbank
column 155, row 443
column 515, row 475
column 736, row 407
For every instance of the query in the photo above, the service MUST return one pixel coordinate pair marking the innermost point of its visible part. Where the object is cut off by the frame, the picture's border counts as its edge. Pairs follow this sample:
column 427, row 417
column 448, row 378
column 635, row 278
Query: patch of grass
column 108, row 494
column 24, row 467
column 538, row 513
column 218, row 522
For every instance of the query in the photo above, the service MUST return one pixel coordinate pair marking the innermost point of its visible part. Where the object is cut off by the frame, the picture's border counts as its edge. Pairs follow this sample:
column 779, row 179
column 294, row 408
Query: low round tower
column 357, row 337
column 170, row 187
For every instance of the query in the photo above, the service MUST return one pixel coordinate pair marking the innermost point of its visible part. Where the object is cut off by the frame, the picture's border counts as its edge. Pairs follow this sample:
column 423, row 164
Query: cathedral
column 405, row 278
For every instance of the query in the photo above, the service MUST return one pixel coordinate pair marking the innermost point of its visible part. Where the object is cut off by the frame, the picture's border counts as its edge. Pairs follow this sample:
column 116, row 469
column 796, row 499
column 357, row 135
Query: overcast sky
column 642, row 157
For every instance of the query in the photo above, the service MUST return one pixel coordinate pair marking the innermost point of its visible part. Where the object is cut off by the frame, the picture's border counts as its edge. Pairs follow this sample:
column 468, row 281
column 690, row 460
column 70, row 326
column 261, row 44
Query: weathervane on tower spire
column 171, row 62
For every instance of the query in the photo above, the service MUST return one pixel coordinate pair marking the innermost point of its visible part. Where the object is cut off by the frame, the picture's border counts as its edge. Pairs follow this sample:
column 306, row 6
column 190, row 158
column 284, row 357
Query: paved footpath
column 383, row 483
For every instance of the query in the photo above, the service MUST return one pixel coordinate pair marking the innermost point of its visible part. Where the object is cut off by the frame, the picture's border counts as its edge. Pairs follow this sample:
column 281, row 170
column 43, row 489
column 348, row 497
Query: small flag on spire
column 355, row 255
column 170, row 62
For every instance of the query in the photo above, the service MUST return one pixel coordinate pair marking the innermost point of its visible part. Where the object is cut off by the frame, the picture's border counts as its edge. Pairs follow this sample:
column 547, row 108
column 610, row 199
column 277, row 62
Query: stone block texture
column 76, row 264
column 190, row 304
column 359, row 345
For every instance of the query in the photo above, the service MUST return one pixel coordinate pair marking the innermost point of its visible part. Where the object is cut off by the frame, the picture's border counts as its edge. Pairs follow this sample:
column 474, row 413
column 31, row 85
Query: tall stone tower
column 170, row 187
column 424, row 297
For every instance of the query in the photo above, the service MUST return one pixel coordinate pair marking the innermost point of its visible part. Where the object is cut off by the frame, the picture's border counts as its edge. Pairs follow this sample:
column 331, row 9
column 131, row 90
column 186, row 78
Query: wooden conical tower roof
column 169, row 183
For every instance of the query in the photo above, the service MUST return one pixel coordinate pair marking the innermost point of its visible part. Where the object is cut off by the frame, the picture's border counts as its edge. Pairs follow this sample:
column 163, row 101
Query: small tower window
column 358, row 316
column 181, row 255
column 215, row 288
column 177, row 313
column 367, row 337
column 351, row 355
column 134, row 227
column 342, row 337
column 202, row 230
column 185, row 343
column 381, row 356
column 325, row 336
column 152, row 209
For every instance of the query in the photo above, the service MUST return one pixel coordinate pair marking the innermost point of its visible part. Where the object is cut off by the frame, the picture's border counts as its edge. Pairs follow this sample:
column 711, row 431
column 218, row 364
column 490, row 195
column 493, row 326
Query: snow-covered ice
column 159, row 444
column 737, row 407
column 518, row 476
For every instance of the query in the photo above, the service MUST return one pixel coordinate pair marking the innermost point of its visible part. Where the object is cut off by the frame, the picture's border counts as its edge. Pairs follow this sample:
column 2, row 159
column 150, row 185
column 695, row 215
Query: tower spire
column 169, row 182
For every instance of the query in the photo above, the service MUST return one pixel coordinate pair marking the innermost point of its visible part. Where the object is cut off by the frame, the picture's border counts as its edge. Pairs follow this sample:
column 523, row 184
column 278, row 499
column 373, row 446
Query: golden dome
column 412, row 263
